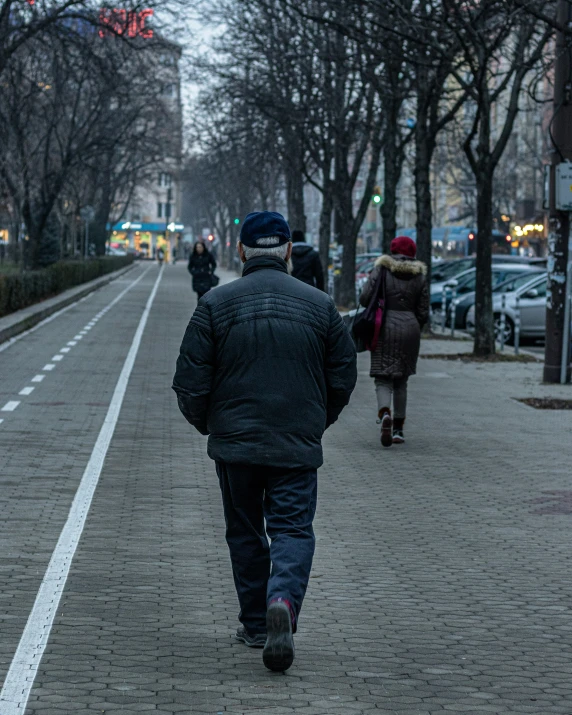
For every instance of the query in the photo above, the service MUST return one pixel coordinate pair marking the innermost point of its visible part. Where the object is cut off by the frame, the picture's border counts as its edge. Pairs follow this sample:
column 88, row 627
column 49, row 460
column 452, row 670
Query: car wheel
column 508, row 329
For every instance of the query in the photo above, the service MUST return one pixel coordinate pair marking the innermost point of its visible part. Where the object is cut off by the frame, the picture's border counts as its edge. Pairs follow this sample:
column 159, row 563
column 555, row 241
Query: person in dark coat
column 306, row 264
column 406, row 312
column 266, row 365
column 201, row 266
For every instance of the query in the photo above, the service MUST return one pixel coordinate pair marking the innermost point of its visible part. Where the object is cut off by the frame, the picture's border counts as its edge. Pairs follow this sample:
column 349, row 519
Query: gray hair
column 273, row 248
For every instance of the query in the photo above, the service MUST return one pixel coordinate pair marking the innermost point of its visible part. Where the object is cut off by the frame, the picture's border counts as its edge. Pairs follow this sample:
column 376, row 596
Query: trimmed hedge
column 19, row 290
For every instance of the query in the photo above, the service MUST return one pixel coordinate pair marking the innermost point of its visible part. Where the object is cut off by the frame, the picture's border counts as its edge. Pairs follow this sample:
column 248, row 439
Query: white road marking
column 71, row 343
column 65, row 350
column 10, row 406
column 87, row 327
column 24, row 667
column 26, row 390
column 78, row 337
column 8, row 343
column 38, row 378
column 57, row 358
column 48, row 367
column 1, row 421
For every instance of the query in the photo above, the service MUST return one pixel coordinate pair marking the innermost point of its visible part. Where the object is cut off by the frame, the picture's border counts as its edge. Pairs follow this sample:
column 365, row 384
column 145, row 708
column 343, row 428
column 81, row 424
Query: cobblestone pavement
column 442, row 576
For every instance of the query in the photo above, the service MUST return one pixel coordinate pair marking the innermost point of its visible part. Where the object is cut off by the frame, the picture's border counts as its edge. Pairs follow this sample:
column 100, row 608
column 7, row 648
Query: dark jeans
column 286, row 499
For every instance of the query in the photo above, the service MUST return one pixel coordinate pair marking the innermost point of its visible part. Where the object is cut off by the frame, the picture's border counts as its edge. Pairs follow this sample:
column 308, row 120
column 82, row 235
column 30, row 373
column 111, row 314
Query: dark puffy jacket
column 406, row 311
column 307, row 266
column 266, row 365
column 201, row 267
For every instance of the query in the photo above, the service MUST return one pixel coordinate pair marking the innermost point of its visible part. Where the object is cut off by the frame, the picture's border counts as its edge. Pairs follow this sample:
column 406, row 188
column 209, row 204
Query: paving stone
column 439, row 584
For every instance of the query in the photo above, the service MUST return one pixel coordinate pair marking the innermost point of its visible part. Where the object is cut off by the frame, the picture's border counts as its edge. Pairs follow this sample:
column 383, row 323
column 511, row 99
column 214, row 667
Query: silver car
column 532, row 307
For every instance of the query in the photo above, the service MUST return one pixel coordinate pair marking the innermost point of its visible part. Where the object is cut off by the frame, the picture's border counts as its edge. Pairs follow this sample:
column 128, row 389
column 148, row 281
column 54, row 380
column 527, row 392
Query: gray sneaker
column 386, row 430
column 256, row 640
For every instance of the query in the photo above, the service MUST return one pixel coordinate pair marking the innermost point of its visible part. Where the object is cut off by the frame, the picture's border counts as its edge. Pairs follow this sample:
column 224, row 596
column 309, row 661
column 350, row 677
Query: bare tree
column 78, row 119
column 501, row 43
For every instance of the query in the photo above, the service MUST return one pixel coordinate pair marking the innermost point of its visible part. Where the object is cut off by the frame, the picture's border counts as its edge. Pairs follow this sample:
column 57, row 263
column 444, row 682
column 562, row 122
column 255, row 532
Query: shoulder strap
column 379, row 287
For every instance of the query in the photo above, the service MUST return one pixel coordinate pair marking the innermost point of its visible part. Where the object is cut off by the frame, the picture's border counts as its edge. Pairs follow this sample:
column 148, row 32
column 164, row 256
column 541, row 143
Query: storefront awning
column 145, row 227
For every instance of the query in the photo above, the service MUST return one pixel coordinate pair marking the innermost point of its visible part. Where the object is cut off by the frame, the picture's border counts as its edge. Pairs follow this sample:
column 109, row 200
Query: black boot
column 398, row 436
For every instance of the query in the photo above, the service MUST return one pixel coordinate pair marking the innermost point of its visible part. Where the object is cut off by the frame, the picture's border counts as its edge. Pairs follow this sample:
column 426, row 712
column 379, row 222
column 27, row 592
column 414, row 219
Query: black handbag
column 215, row 280
column 366, row 328
column 349, row 320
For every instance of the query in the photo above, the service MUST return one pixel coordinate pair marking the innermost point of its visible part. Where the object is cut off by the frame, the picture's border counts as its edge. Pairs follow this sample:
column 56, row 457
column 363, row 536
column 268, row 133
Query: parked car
column 362, row 258
column 510, row 280
column 466, row 282
column 445, row 270
column 362, row 274
column 532, row 305
column 115, row 251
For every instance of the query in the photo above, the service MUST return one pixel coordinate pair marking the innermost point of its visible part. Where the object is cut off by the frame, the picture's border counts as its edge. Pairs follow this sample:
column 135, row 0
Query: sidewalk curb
column 32, row 319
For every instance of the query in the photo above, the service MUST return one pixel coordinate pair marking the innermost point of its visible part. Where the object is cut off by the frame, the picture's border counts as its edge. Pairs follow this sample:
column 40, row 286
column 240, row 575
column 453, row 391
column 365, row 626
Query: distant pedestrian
column 306, row 264
column 266, row 365
column 160, row 255
column 406, row 311
column 202, row 266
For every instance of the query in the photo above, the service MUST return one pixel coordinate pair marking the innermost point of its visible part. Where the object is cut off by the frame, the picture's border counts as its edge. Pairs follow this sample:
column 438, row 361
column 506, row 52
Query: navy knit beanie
column 262, row 224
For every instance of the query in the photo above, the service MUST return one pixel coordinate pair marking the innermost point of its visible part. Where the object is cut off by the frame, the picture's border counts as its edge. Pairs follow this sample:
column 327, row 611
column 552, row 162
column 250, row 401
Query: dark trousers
column 286, row 499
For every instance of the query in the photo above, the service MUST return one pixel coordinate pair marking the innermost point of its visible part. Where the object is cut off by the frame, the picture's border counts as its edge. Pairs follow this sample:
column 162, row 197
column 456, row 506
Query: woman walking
column 201, row 266
column 405, row 312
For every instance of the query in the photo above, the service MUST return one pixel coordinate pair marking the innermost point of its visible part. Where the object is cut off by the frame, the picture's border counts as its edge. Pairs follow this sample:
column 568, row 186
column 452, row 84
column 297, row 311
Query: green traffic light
column 237, row 221
column 376, row 199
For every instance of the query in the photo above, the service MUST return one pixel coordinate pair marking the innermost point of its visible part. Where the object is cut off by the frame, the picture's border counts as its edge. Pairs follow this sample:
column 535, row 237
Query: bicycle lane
column 56, row 384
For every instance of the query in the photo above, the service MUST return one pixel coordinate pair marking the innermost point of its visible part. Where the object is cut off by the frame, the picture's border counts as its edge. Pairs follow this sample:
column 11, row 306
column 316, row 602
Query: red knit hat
column 404, row 246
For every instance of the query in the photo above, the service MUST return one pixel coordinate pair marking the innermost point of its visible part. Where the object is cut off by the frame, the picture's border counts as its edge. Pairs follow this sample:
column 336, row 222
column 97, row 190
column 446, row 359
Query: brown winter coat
column 406, row 311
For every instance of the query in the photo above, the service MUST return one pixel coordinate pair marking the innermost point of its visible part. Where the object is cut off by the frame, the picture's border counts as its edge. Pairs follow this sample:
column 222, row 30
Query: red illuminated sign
column 125, row 23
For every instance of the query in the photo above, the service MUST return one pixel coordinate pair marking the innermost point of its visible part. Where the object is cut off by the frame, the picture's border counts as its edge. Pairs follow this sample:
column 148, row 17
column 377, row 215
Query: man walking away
column 307, row 266
column 266, row 365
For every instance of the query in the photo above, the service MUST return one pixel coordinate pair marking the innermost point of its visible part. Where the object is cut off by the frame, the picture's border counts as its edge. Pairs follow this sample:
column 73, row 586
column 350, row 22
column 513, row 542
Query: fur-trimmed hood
column 401, row 264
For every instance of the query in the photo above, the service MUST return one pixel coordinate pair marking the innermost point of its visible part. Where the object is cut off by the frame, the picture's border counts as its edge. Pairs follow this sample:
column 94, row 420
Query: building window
column 159, row 209
column 165, row 179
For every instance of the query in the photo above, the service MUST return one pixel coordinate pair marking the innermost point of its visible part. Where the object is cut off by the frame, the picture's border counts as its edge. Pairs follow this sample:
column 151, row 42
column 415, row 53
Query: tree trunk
column 344, row 220
column 393, row 161
column 424, row 147
column 294, row 170
column 98, row 232
column 484, row 344
column 34, row 231
column 326, row 227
